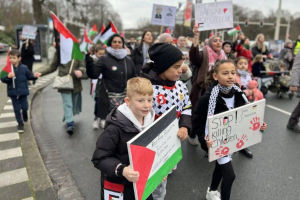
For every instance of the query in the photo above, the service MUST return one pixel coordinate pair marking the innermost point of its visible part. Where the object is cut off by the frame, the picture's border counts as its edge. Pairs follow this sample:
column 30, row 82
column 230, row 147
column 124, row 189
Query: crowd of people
column 133, row 84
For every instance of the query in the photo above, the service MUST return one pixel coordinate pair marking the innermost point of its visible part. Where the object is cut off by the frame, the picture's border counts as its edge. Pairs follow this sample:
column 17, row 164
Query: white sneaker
column 213, row 195
column 102, row 123
column 96, row 124
column 193, row 141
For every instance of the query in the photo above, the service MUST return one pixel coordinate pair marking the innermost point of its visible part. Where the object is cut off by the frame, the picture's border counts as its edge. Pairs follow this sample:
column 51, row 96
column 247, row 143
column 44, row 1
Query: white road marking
column 8, row 107
column 8, row 124
column 13, row 177
column 10, row 153
column 278, row 109
column 9, row 136
column 5, row 115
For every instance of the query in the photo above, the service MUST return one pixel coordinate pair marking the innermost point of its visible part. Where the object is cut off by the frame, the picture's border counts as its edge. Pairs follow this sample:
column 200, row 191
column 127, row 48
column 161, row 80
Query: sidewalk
column 22, row 172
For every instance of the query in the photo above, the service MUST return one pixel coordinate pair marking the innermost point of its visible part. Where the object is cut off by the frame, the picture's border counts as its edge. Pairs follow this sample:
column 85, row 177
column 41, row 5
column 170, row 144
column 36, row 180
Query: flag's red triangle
column 122, row 34
column 142, row 159
column 86, row 37
column 102, row 29
column 211, row 34
column 113, row 28
column 167, row 30
column 95, row 28
column 238, row 28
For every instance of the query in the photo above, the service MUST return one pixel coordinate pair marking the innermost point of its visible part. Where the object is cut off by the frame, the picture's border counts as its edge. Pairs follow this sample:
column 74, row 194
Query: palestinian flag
column 109, row 31
column 154, row 153
column 8, row 67
column 211, row 34
column 234, row 30
column 167, row 31
column 69, row 46
column 96, row 39
column 85, row 42
column 93, row 31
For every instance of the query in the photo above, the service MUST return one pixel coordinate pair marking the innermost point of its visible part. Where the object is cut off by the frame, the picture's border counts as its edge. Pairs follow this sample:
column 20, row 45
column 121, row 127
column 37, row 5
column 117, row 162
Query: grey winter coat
column 296, row 73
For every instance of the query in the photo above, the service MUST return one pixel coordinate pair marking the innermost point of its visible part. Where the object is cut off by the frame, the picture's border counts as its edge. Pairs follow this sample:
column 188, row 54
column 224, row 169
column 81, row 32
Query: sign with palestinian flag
column 69, row 45
column 234, row 30
column 109, row 31
column 154, row 153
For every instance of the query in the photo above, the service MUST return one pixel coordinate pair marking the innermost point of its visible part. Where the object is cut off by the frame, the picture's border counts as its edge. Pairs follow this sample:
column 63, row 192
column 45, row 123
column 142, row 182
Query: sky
column 131, row 10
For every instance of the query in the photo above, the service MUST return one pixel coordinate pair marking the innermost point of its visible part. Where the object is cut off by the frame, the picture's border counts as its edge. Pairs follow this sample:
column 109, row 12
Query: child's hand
column 164, row 179
column 263, row 127
column 128, row 50
column 182, row 133
column 11, row 75
column 78, row 73
column 130, row 175
column 209, row 143
column 37, row 74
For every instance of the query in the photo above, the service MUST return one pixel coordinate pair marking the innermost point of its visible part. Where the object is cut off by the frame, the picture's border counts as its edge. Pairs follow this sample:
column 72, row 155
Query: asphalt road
column 272, row 174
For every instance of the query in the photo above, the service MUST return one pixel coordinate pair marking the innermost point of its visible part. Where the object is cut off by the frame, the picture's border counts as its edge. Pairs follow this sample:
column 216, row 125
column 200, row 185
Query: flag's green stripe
column 3, row 74
column 92, row 33
column 156, row 178
column 76, row 53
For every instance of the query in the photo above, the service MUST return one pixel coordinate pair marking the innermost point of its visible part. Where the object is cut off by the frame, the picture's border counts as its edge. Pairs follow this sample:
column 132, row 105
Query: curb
column 63, row 184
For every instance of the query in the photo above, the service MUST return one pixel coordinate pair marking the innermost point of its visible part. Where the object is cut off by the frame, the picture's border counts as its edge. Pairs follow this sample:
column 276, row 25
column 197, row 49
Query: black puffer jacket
column 138, row 58
column 112, row 149
column 199, row 121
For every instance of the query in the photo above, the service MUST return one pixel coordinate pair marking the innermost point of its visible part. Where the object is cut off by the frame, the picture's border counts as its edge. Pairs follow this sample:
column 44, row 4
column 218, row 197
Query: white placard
column 218, row 15
column 163, row 15
column 235, row 129
column 29, row 32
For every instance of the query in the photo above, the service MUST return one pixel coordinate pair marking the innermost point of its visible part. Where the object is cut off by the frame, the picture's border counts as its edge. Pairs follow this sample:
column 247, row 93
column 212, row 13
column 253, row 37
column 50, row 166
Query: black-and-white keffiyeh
column 243, row 73
column 214, row 94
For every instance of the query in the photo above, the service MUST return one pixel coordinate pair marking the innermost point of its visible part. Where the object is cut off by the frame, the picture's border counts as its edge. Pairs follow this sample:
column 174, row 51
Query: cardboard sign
column 154, row 153
column 235, row 129
column 163, row 15
column 210, row 16
column 29, row 32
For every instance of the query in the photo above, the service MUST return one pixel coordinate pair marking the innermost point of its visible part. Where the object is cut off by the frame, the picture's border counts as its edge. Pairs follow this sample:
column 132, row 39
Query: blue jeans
column 72, row 105
column 18, row 104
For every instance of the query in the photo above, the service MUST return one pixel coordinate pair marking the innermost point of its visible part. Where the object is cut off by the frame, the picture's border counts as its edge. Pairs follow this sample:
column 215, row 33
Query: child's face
column 242, row 65
column 226, row 75
column 100, row 53
column 173, row 73
column 227, row 48
column 14, row 60
column 140, row 105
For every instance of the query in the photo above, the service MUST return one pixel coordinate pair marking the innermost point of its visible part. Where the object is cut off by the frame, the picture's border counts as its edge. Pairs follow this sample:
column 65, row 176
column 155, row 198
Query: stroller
column 279, row 83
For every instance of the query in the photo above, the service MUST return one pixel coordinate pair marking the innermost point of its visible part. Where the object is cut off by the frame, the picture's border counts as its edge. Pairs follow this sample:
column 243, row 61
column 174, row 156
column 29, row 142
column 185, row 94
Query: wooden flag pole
column 161, row 29
column 27, row 43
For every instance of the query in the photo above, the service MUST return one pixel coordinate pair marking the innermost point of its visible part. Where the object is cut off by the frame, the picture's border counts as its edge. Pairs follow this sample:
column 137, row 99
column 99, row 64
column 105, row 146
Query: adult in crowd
column 140, row 54
column 240, row 37
column 259, row 47
column 294, row 87
column 286, row 54
column 243, row 49
column 227, row 48
column 27, row 54
column 71, row 99
column 296, row 46
column 116, row 68
column 190, row 39
column 182, row 44
column 131, row 45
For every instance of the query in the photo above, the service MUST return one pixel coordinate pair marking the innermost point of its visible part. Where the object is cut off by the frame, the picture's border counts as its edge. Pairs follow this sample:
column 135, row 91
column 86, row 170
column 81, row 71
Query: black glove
column 242, row 42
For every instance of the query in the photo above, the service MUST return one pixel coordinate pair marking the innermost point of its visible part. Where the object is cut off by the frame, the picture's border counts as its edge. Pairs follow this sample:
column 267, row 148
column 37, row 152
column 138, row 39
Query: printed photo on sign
column 235, row 129
column 210, row 16
column 163, row 15
column 154, row 153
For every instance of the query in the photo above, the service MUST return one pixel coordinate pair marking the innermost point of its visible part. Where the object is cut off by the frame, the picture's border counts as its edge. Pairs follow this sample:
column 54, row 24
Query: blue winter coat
column 22, row 75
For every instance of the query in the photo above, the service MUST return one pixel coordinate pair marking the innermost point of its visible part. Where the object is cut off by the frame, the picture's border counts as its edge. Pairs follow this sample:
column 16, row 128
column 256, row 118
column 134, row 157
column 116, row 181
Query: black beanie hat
column 164, row 56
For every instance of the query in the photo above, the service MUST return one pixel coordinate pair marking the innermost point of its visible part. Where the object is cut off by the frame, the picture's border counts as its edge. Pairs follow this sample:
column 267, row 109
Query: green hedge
column 7, row 38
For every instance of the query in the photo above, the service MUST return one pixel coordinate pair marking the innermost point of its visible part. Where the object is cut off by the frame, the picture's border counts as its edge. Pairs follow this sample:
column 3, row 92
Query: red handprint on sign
column 241, row 143
column 255, row 123
column 222, row 151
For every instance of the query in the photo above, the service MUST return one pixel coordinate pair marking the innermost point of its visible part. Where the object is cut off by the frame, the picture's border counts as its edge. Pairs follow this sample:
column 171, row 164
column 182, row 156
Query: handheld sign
column 154, row 152
column 163, row 15
column 210, row 16
column 235, row 129
column 29, row 32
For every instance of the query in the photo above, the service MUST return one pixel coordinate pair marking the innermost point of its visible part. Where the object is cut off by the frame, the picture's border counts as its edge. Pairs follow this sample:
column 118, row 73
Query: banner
column 188, row 13
column 29, row 32
column 235, row 129
column 163, row 15
column 154, row 153
column 218, row 15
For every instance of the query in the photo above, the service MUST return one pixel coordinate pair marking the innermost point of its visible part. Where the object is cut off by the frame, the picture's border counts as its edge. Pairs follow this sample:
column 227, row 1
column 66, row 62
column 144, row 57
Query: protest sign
column 29, row 32
column 235, row 129
column 163, row 15
column 154, row 153
column 210, row 16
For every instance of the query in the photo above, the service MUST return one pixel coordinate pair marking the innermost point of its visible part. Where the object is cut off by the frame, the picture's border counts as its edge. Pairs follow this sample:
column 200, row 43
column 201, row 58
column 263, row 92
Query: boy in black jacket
column 122, row 124
column 17, row 87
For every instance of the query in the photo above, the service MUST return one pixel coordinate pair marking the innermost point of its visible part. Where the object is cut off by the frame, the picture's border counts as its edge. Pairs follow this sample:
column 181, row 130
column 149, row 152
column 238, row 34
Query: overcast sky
column 131, row 10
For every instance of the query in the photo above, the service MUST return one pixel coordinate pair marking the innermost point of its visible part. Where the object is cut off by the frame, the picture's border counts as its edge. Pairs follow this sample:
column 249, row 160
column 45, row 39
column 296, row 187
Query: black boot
column 295, row 128
column 25, row 116
column 247, row 152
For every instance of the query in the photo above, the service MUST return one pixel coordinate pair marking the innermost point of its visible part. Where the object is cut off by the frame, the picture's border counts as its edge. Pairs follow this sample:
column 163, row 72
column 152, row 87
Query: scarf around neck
column 243, row 73
column 213, row 56
column 118, row 53
column 214, row 94
column 246, row 46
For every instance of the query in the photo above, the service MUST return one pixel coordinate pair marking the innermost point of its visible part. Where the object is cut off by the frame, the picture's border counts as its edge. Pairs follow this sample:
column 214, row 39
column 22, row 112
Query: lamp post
column 277, row 28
